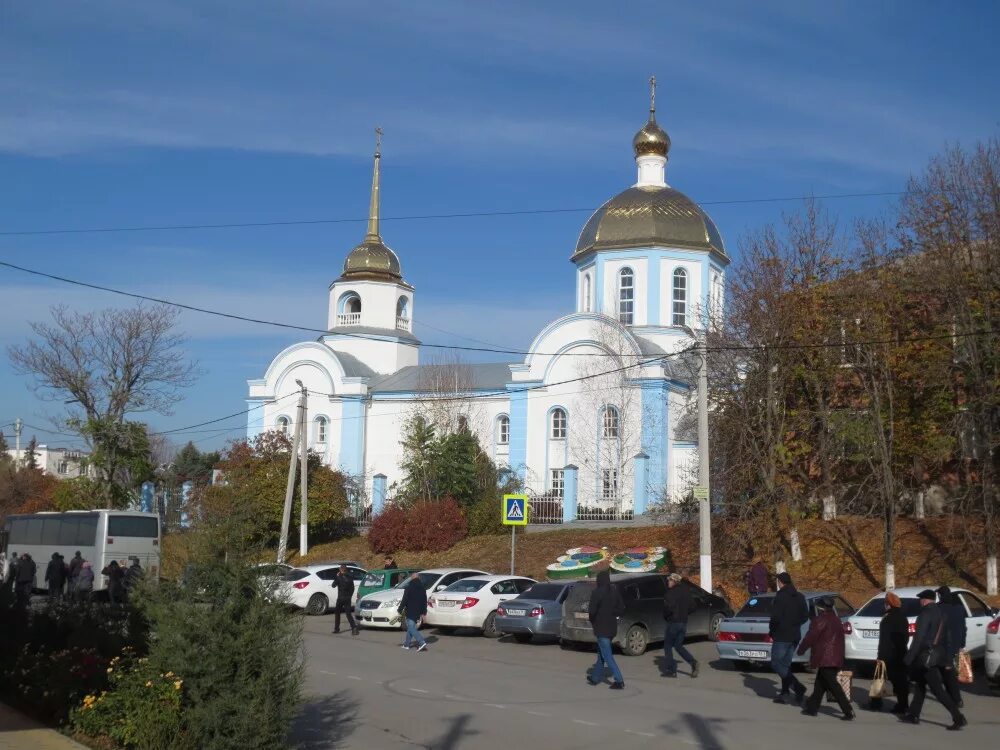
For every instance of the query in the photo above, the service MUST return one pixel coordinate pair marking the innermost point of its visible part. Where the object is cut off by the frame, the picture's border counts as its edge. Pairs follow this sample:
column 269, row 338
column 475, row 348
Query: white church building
column 592, row 419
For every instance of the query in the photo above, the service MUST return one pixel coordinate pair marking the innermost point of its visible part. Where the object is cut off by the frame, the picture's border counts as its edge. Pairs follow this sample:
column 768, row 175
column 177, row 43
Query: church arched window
column 403, row 314
column 586, row 292
column 503, row 430
column 609, row 422
column 626, row 296
column 557, row 429
column 349, row 310
column 282, row 425
column 322, row 425
column 679, row 309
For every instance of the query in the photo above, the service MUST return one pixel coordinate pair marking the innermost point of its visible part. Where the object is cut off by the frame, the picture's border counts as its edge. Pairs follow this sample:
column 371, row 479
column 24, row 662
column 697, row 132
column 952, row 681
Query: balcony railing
column 402, row 323
column 349, row 319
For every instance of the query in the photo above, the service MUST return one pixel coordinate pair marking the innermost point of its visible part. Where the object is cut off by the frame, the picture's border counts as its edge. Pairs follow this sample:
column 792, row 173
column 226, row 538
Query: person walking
column 132, row 577
column 757, row 578
column 954, row 616
column 413, row 608
column 55, row 577
column 84, row 582
column 25, row 582
column 789, row 612
column 345, row 590
column 116, row 580
column 74, row 571
column 893, row 634
column 926, row 657
column 605, row 607
column 825, row 642
column 677, row 607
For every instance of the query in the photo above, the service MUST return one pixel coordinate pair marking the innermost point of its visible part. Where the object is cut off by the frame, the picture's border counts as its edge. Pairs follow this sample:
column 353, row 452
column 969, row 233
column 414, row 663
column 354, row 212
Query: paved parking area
column 470, row 692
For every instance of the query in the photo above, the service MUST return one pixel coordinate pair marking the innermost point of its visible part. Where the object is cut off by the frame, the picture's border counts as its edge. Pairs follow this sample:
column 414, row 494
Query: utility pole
column 18, row 426
column 703, row 491
column 286, row 516
column 303, row 476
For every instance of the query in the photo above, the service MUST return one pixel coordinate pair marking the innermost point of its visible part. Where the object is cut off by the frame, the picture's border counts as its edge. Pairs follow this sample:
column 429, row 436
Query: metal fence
column 613, row 509
column 545, row 508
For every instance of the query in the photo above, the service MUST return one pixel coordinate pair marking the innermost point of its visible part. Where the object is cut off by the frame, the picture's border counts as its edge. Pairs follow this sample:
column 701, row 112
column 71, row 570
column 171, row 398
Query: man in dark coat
column 757, row 578
column 74, row 570
column 55, row 576
column 954, row 617
column 927, row 656
column 677, row 606
column 893, row 634
column 788, row 613
column 605, row 607
column 345, row 590
column 116, row 582
column 826, row 639
column 413, row 608
column 25, row 581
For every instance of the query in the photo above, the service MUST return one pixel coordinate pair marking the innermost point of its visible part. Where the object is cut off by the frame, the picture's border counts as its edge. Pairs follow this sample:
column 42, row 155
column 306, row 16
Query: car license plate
column 517, row 612
column 751, row 654
column 581, row 615
column 446, row 603
column 869, row 634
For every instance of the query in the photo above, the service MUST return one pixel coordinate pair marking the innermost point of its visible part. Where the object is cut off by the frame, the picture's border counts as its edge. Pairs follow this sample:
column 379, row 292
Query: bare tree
column 445, row 385
column 106, row 366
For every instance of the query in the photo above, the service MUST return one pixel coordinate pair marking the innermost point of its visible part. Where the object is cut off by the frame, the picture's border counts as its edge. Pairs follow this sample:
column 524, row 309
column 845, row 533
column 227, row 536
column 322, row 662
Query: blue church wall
column 352, row 436
column 255, row 417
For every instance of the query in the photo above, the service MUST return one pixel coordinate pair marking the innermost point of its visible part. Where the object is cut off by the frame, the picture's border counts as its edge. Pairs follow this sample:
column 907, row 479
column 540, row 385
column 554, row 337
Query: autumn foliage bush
column 426, row 526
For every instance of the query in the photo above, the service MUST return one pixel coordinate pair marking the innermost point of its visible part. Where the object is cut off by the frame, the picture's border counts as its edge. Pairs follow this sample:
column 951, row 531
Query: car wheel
column 318, row 604
column 522, row 637
column 636, row 640
column 714, row 625
column 490, row 626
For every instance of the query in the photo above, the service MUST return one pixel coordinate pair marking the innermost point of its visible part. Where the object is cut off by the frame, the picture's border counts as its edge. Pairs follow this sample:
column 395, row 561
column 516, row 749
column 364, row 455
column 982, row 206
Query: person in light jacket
column 926, row 658
column 84, row 582
column 826, row 639
column 604, row 609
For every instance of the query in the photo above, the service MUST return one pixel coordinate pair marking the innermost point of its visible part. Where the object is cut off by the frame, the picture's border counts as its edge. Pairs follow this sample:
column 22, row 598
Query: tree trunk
column 796, row 547
column 991, row 576
column 918, row 505
column 829, row 507
column 779, row 566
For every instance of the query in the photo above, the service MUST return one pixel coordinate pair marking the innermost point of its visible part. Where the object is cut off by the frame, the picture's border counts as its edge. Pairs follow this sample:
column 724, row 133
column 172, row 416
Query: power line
column 414, row 217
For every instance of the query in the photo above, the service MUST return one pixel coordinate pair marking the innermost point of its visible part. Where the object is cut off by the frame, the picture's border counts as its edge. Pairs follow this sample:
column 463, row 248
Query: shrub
column 51, row 681
column 141, row 707
column 427, row 526
column 484, row 518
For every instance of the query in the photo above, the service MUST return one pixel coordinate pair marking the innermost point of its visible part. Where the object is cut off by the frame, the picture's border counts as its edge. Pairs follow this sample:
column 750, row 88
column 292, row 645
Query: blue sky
column 117, row 113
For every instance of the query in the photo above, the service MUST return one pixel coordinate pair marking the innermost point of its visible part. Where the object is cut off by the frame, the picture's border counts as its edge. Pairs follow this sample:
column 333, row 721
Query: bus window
column 32, row 531
column 133, row 526
column 67, row 532
column 50, row 531
column 86, row 533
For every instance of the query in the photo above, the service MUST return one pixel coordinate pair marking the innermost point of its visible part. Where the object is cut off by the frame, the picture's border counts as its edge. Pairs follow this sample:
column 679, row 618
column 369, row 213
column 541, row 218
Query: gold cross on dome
column 652, row 93
column 378, row 139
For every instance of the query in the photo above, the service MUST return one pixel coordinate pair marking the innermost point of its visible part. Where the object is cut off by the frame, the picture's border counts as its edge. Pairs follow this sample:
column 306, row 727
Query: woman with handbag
column 927, row 657
column 893, row 633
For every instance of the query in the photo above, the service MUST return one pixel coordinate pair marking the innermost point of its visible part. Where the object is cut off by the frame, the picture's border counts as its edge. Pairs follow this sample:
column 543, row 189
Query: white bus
column 99, row 535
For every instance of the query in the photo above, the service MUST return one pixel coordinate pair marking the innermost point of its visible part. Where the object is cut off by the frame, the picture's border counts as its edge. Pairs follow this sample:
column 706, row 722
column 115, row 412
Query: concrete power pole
column 303, row 475
column 704, row 508
column 286, row 516
column 18, row 426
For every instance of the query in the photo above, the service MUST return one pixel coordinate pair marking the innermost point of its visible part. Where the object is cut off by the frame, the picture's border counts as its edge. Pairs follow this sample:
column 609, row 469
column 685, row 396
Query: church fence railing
column 545, row 507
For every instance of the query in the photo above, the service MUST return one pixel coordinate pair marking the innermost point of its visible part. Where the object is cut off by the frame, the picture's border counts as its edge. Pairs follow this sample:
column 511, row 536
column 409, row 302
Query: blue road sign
column 515, row 510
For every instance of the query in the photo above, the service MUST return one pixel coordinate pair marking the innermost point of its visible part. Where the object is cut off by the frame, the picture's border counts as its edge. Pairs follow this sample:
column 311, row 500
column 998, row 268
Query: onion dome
column 372, row 259
column 651, row 138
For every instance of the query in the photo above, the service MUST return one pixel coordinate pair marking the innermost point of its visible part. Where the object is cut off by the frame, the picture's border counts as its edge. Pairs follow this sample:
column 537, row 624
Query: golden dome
column 372, row 259
column 651, row 138
column 649, row 216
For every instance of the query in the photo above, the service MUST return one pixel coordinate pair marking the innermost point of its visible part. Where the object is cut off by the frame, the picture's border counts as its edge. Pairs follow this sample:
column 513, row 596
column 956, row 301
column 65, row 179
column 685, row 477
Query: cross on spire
column 652, row 95
column 378, row 140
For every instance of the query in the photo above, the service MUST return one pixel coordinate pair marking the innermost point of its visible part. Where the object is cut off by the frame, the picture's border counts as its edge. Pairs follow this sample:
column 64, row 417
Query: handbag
column 845, row 677
column 964, row 667
column 931, row 657
column 877, row 689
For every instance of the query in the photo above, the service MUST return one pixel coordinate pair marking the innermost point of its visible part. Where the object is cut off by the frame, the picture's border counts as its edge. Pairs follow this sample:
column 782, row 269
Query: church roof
column 354, row 367
column 366, row 331
column 415, row 378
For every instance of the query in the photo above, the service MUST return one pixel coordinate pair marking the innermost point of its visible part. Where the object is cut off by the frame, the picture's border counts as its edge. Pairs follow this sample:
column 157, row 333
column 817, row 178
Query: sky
column 119, row 114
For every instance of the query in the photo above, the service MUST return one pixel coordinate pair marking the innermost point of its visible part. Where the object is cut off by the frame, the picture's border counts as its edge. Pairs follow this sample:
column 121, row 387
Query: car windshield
column 374, row 579
column 758, row 606
column 467, row 585
column 426, row 579
column 876, row 607
column 544, row 591
column 271, row 570
column 296, row 575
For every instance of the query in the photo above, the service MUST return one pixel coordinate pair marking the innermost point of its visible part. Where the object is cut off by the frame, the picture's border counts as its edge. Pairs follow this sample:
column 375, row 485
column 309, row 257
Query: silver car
column 536, row 612
column 744, row 637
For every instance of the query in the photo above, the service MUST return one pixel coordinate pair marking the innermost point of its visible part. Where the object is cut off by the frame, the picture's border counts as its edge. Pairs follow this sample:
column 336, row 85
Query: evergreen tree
column 31, row 454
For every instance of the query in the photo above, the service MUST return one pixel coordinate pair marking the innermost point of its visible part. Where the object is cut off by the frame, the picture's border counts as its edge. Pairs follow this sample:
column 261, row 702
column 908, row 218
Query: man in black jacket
column 926, row 658
column 954, row 617
column 25, row 581
column 413, row 608
column 788, row 613
column 677, row 606
column 604, row 609
column 345, row 590
column 55, row 576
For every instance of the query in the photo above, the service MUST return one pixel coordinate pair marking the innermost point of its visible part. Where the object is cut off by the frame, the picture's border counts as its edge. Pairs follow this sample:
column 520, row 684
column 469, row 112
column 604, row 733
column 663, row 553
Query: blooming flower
column 177, row 685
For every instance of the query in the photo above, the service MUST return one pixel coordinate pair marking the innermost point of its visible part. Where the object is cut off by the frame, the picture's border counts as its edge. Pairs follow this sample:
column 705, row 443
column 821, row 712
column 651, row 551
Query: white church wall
column 378, row 303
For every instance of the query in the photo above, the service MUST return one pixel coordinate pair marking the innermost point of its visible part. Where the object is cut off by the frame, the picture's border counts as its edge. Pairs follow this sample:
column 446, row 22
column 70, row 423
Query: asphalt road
column 467, row 692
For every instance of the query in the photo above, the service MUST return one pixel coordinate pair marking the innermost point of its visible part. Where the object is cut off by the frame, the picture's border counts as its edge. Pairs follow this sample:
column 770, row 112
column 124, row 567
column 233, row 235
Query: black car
column 642, row 622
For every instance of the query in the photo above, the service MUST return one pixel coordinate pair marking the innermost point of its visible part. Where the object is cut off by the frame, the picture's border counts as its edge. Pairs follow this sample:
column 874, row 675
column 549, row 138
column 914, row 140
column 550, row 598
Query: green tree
column 191, row 464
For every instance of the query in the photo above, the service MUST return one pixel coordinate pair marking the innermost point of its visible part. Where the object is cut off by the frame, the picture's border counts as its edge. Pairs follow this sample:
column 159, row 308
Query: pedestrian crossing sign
column 515, row 510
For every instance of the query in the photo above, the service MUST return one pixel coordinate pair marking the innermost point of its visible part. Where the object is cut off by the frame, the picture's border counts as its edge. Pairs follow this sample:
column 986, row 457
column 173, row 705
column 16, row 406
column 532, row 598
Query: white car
column 992, row 659
column 472, row 603
column 312, row 587
column 861, row 628
column 378, row 610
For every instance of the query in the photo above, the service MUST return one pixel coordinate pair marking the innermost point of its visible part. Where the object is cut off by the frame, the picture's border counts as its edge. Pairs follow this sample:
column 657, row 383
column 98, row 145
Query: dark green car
column 382, row 579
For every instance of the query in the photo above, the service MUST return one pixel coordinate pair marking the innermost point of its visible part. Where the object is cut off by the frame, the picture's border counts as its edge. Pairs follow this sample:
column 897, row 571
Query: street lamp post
column 704, row 507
